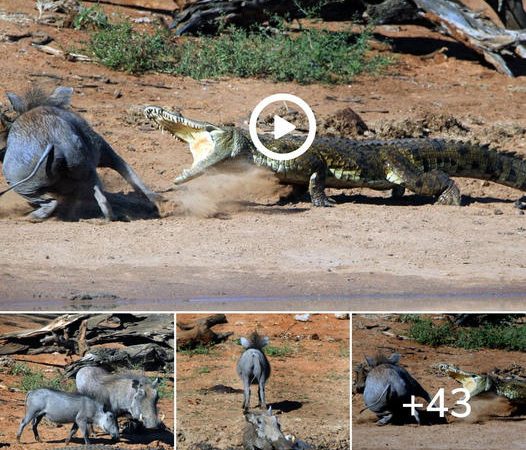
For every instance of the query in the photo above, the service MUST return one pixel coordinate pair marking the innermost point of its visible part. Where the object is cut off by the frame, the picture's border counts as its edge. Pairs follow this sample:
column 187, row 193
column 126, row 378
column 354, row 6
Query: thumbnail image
column 263, row 381
column 438, row 381
column 78, row 379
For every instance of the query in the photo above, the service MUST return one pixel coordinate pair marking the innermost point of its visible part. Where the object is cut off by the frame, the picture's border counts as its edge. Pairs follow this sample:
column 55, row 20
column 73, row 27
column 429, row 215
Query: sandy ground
column 308, row 388
column 368, row 252
column 474, row 432
column 12, row 405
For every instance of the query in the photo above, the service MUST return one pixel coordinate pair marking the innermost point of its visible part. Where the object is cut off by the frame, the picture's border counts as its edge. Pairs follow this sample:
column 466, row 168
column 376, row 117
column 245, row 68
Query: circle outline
column 252, row 126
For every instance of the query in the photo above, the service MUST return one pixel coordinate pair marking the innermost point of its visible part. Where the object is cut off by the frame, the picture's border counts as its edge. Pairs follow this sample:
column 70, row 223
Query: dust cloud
column 227, row 190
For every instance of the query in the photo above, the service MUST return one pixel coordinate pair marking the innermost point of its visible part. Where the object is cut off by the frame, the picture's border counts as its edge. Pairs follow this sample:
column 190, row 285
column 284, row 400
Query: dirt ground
column 475, row 432
column 12, row 405
column 308, row 388
column 368, row 252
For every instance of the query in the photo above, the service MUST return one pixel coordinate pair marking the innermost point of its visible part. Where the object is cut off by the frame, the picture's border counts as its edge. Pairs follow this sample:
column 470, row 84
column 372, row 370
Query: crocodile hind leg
column 435, row 182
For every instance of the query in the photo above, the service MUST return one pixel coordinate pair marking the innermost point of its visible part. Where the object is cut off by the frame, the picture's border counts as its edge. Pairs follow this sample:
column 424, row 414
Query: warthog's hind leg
column 44, row 206
column 72, row 432
column 246, row 394
column 104, row 205
column 36, row 421
column 23, row 424
column 261, row 393
column 385, row 419
column 112, row 160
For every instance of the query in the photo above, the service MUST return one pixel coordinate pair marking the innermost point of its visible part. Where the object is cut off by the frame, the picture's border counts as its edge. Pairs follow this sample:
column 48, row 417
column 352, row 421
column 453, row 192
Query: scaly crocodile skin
column 422, row 165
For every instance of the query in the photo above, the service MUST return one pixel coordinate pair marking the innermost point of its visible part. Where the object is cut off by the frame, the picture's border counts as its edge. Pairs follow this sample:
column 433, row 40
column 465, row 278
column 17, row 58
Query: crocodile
column 513, row 388
column 423, row 166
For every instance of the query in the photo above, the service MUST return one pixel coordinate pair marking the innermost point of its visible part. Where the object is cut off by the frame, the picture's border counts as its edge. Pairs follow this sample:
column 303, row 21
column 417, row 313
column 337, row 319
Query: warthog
column 51, row 151
column 263, row 432
column 64, row 407
column 123, row 393
column 253, row 368
column 386, row 386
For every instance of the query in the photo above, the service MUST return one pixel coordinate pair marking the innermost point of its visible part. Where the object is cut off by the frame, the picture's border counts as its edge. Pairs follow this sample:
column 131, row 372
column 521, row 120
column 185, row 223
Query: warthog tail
column 380, row 398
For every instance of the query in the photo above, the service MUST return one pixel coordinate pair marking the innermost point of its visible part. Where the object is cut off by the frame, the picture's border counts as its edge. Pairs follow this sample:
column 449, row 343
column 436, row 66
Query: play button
column 282, row 127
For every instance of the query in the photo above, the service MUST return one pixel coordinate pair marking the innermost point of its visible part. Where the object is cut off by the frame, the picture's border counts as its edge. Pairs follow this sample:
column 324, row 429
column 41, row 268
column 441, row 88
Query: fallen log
column 211, row 15
column 476, row 32
column 155, row 5
column 199, row 332
column 510, row 12
column 145, row 356
column 78, row 333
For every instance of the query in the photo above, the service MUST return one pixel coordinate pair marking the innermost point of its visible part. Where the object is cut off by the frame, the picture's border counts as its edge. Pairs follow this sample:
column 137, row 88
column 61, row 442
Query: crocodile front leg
column 435, row 183
column 317, row 188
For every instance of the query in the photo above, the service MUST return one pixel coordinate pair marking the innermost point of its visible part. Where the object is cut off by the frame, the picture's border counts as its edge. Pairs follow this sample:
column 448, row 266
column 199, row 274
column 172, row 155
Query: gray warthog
column 263, row 432
column 122, row 393
column 253, row 367
column 53, row 152
column 386, row 386
column 64, row 407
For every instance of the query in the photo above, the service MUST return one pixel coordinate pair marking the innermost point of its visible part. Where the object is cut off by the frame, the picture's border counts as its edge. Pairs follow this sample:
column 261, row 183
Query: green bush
column 120, row 47
column 504, row 337
column 311, row 56
column 306, row 57
column 164, row 390
column 198, row 350
column 35, row 379
column 91, row 18
column 278, row 351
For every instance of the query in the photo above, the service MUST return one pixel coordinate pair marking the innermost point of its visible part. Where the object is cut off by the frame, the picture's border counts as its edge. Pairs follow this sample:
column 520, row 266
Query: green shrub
column 278, row 351
column 35, row 379
column 92, row 18
column 164, row 390
column 198, row 350
column 120, row 47
column 306, row 57
column 505, row 337
column 311, row 56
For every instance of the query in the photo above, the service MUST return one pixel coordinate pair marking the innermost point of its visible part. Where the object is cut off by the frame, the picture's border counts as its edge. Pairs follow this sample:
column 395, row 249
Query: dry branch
column 475, row 32
column 209, row 15
column 156, row 5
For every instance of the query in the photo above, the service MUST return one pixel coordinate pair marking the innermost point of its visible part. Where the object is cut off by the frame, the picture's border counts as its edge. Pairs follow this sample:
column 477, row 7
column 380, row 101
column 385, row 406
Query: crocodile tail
column 510, row 170
column 466, row 159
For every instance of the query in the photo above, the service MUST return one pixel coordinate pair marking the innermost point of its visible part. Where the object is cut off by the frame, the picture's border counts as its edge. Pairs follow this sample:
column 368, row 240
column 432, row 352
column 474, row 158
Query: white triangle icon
column 282, row 127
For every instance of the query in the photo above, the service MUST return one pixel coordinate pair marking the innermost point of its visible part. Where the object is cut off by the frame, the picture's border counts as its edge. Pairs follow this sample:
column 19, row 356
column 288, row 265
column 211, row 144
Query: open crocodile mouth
column 198, row 135
column 474, row 383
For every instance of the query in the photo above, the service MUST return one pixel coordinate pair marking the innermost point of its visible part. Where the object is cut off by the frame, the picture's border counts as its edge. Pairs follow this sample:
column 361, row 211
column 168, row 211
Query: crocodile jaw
column 474, row 383
column 198, row 135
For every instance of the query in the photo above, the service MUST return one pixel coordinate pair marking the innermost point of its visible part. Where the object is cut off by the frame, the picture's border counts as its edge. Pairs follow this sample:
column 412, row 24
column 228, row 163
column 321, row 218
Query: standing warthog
column 51, row 151
column 64, row 407
column 253, row 367
column 122, row 393
column 386, row 386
